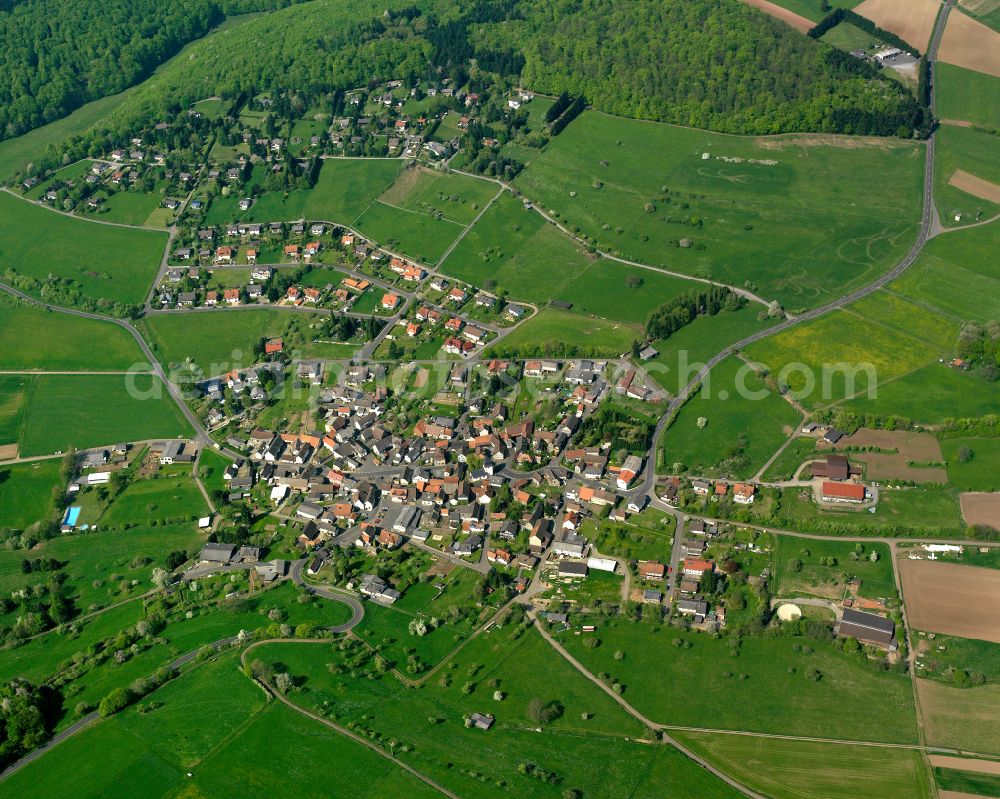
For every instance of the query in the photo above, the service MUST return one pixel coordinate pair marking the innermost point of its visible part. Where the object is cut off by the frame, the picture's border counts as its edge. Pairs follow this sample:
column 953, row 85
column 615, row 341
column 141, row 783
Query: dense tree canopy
column 59, row 54
column 716, row 64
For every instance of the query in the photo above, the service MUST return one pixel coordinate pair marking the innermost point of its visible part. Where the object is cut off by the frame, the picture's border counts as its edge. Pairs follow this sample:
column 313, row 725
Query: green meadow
column 99, row 566
column 972, row 151
column 792, row 216
column 965, row 95
column 852, row 353
column 553, row 330
column 814, row 9
column 415, row 234
column 171, row 494
column 980, row 470
column 220, row 341
column 33, row 338
column 82, row 411
column 740, row 432
column 347, row 187
column 431, row 737
column 762, row 688
column 458, row 198
column 788, row 769
column 101, row 261
column 13, row 392
column 791, row 457
column 957, row 275
column 697, row 342
column 211, row 723
column 802, row 568
column 26, row 492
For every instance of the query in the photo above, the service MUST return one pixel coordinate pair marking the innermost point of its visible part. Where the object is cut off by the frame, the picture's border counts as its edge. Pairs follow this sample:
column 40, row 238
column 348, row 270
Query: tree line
column 684, row 309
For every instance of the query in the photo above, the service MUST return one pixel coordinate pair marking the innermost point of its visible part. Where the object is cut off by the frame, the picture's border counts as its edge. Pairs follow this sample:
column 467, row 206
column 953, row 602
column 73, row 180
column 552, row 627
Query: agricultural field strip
column 71, row 215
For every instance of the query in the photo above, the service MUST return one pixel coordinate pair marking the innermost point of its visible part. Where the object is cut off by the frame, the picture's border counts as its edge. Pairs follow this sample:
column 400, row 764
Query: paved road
column 928, row 218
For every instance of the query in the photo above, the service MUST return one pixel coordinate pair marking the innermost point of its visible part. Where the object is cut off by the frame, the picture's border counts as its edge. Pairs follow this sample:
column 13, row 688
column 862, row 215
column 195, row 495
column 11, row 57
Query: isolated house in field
column 868, row 628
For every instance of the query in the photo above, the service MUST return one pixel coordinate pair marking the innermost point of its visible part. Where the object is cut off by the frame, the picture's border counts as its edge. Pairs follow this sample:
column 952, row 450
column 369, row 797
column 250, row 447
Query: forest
column 59, row 54
column 716, row 64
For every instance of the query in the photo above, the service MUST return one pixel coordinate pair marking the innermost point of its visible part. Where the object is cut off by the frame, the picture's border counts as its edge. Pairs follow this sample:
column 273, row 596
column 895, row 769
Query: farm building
column 868, row 628
column 835, row 467
column 843, row 492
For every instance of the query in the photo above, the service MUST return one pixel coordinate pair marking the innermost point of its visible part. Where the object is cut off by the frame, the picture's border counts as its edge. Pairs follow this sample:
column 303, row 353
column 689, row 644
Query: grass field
column 347, row 187
column 930, row 395
column 811, row 770
column 785, row 465
column 742, row 431
column 471, row 764
column 26, row 492
column 82, row 411
column 171, row 494
column 699, row 341
column 799, row 572
column 218, row 342
column 33, row 338
column 102, row 261
column 555, row 330
column 972, row 151
column 939, row 656
column 812, row 9
column 850, row 701
column 100, row 565
column 519, row 251
column 458, row 198
column 966, row 95
column 949, row 266
column 967, row 782
column 801, row 229
column 961, row 718
column 212, row 721
column 417, row 235
column 840, row 355
column 130, row 208
column 13, row 391
column 909, row 511
column 981, row 472
column 848, row 37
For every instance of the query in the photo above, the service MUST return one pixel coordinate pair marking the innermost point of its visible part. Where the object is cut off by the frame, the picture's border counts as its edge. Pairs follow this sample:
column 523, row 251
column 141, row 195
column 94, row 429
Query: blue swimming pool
column 72, row 514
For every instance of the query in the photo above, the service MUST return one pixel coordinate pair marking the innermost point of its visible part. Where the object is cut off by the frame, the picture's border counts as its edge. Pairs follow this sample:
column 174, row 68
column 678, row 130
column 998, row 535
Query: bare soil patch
column 825, row 140
column 981, row 508
column 966, row 764
column 920, row 447
column 911, row 20
column 970, row 44
column 976, row 186
column 798, row 22
column 958, row 795
column 952, row 598
column 8, row 452
column 956, row 123
column 910, row 448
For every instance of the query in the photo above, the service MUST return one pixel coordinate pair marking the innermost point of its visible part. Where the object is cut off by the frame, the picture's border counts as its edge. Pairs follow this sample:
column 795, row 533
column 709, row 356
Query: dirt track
column 970, row 44
column 977, row 187
column 952, row 598
column 911, row 20
column 796, row 21
column 981, row 508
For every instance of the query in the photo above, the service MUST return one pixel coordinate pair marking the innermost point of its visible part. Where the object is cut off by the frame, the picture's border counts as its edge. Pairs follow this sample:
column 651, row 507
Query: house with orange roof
column 231, row 296
column 390, row 301
column 223, row 255
column 744, row 493
column 292, row 251
column 273, row 346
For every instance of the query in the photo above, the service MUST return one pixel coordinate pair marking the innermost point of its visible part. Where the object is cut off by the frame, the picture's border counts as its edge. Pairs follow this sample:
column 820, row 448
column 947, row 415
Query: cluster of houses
column 357, row 482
